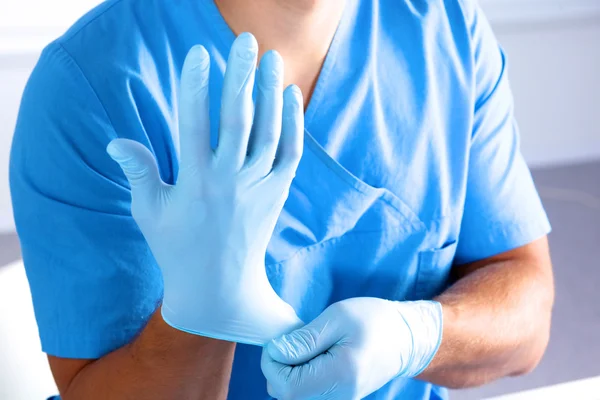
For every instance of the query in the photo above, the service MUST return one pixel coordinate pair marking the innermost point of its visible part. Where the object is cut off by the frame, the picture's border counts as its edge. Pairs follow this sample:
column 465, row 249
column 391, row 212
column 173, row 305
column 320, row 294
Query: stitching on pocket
column 429, row 262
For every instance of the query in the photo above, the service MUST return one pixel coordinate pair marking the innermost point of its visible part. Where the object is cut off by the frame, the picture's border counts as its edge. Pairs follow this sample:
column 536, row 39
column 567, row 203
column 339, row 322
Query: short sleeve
column 93, row 279
column 502, row 208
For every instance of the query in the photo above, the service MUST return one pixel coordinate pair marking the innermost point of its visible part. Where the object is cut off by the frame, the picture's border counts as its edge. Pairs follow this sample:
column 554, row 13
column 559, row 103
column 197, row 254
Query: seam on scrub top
column 85, row 78
column 73, row 34
column 330, row 62
column 314, row 246
column 61, row 48
column 413, row 293
column 357, row 184
column 106, row 115
column 223, row 30
column 523, row 231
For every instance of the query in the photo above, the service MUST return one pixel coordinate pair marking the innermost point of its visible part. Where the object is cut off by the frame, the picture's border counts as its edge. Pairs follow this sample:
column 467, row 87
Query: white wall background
column 555, row 77
column 553, row 47
column 12, row 81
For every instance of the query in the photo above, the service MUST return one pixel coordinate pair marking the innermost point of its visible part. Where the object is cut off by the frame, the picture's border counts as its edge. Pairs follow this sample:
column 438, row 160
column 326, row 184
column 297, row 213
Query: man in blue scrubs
column 412, row 242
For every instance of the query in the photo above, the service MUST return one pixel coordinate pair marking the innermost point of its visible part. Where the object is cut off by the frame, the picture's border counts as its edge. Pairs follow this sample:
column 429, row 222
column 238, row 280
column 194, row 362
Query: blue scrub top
column 411, row 164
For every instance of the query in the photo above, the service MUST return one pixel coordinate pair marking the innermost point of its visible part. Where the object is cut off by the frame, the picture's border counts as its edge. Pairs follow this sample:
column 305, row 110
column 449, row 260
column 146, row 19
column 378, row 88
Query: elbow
column 536, row 351
column 534, row 348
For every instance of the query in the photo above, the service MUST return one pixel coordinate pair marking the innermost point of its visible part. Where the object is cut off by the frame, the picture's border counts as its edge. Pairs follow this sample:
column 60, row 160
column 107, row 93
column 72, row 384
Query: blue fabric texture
column 411, row 164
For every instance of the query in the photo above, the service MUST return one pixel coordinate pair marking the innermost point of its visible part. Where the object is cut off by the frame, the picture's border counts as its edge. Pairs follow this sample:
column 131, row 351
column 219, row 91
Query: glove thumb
column 138, row 165
column 304, row 344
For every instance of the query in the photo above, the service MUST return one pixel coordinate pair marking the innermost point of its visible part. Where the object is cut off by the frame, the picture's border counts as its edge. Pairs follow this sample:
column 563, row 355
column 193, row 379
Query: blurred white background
column 554, row 55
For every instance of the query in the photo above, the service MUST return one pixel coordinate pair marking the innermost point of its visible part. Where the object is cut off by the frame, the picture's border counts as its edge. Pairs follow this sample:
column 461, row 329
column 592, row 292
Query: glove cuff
column 424, row 320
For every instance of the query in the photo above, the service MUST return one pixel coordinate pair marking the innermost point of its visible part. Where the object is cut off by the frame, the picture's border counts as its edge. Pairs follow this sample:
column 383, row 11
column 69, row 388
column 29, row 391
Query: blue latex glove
column 209, row 232
column 352, row 349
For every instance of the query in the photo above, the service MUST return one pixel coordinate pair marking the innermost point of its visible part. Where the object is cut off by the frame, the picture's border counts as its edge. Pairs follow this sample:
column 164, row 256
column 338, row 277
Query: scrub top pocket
column 338, row 237
column 434, row 271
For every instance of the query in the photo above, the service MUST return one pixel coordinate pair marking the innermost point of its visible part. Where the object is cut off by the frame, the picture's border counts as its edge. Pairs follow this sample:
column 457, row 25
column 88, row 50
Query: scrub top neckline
column 226, row 36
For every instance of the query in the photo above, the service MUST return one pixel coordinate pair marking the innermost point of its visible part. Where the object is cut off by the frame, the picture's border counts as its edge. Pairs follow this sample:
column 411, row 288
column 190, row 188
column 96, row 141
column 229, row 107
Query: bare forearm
column 161, row 363
column 496, row 323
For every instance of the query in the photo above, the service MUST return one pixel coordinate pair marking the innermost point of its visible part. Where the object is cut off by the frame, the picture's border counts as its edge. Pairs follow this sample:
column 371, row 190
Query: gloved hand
column 352, row 349
column 209, row 232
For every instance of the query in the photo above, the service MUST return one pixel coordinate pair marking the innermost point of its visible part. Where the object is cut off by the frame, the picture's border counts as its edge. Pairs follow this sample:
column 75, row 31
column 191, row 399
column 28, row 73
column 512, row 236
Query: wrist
column 424, row 325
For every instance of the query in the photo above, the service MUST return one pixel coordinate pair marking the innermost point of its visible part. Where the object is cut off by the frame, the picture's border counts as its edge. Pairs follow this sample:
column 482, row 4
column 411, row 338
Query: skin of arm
column 496, row 318
column 161, row 363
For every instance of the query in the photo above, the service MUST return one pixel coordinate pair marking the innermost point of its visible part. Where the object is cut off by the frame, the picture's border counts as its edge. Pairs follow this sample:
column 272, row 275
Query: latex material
column 354, row 348
column 209, row 232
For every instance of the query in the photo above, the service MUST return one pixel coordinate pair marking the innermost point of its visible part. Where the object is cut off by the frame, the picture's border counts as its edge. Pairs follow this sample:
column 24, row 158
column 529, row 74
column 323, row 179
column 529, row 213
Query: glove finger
column 291, row 142
column 274, row 373
column 306, row 343
column 194, row 119
column 310, row 380
column 237, row 105
column 139, row 166
column 270, row 391
column 269, row 108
